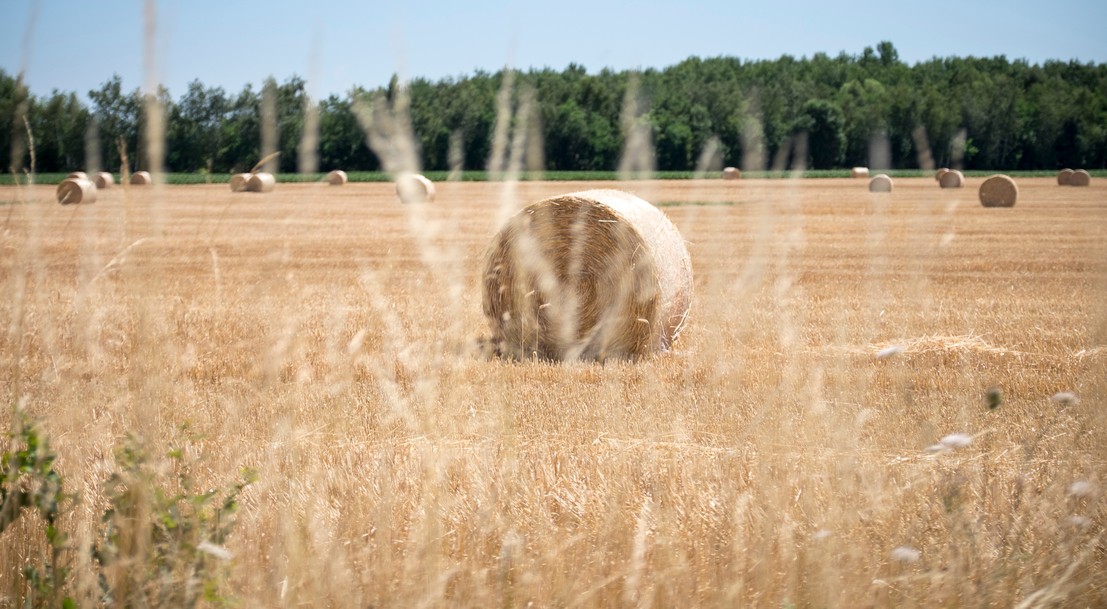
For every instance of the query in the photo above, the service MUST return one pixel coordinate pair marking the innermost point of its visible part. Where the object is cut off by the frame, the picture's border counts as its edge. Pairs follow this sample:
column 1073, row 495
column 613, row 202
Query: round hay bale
column 588, row 275
column 859, row 172
column 1080, row 178
column 952, row 179
column 1064, row 177
column 337, row 178
column 103, row 180
column 999, row 191
column 941, row 172
column 732, row 173
column 77, row 175
column 141, row 178
column 414, row 188
column 261, row 182
column 76, row 190
column 880, row 183
column 239, row 181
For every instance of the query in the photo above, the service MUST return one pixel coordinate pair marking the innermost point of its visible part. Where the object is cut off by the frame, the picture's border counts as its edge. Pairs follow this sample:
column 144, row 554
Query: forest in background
column 980, row 113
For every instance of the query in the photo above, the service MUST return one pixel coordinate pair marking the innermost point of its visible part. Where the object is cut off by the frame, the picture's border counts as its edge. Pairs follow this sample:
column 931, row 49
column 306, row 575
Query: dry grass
column 820, row 437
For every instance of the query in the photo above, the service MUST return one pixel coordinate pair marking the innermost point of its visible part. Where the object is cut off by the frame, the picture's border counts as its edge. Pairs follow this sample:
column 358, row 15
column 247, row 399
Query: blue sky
column 76, row 45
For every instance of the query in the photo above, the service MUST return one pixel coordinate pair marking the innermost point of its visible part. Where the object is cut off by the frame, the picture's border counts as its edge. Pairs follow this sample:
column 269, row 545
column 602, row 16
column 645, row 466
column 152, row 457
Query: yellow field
column 328, row 338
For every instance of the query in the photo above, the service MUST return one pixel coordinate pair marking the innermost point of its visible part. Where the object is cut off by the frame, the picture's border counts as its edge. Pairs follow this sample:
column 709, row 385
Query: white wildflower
column 906, row 554
column 889, row 351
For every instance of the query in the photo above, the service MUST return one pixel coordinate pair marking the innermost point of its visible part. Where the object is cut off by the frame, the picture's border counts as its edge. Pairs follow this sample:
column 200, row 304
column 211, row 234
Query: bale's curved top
column 951, row 179
column 732, row 173
column 78, row 175
column 999, row 191
column 587, row 275
column 1064, row 177
column 880, row 183
column 1080, row 177
column 859, row 172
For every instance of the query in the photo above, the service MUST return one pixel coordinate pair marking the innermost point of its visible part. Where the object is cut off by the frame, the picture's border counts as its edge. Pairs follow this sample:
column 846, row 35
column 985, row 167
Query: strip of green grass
column 554, row 176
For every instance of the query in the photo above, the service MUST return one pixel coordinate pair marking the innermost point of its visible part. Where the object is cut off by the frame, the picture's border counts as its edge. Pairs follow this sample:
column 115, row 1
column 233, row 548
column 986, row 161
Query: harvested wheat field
column 891, row 401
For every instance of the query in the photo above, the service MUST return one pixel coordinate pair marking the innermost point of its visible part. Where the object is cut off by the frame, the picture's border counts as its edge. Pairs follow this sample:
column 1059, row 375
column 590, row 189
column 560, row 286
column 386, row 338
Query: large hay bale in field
column 859, row 172
column 1064, row 177
column 103, row 180
column 588, row 275
column 999, row 191
column 414, row 188
column 239, row 182
column 941, row 172
column 1080, row 178
column 952, row 179
column 880, row 183
column 141, row 178
column 76, row 190
column 77, row 175
column 261, row 182
column 732, row 173
column 337, row 178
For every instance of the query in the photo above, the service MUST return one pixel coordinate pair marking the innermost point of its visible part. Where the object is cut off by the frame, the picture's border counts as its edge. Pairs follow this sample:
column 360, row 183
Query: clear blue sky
column 75, row 45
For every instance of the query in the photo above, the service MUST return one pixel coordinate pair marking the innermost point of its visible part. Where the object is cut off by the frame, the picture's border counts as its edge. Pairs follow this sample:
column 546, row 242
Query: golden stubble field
column 782, row 456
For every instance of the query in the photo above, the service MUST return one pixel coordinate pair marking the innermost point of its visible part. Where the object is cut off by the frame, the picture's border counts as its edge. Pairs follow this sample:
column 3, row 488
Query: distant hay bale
column 141, row 178
column 880, row 183
column 859, row 172
column 732, row 173
column 261, row 182
column 588, row 275
column 76, row 190
column 103, row 180
column 77, row 175
column 941, row 172
column 414, row 188
column 952, row 179
column 999, row 191
column 1080, row 178
column 239, row 181
column 337, row 178
column 1064, row 177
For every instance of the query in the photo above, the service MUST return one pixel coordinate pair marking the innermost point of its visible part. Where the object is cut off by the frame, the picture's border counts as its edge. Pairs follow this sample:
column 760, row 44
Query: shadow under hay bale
column 880, row 183
column 588, row 275
column 76, row 190
column 414, row 188
column 141, row 178
column 1080, row 177
column 103, row 180
column 732, row 173
column 337, row 178
column 261, row 182
column 859, row 172
column 999, row 191
column 239, row 182
column 952, row 179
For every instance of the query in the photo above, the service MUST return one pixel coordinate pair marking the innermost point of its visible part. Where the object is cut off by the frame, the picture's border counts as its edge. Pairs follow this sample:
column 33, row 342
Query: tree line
column 848, row 110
